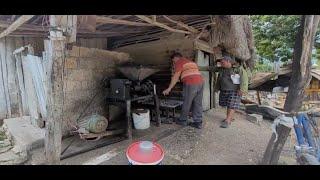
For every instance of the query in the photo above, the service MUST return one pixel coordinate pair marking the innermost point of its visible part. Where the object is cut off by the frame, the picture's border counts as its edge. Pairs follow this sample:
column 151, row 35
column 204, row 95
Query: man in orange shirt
column 192, row 81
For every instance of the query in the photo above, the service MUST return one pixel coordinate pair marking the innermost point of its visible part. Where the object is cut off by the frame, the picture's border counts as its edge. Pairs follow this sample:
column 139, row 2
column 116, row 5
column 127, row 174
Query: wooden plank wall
column 100, row 43
column 313, row 90
column 11, row 104
column 12, row 77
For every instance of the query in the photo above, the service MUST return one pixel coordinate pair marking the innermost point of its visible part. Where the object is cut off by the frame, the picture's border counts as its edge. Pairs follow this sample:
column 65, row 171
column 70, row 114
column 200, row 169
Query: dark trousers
column 192, row 99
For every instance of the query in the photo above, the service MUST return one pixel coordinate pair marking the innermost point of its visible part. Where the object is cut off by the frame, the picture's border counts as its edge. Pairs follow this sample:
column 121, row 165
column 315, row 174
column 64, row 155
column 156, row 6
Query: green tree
column 275, row 35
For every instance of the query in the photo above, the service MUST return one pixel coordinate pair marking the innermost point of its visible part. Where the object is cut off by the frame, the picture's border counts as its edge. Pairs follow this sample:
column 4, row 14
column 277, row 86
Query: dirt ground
column 242, row 144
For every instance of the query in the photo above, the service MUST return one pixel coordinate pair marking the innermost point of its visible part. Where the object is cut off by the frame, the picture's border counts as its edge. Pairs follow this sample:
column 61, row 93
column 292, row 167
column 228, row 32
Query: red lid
column 137, row 154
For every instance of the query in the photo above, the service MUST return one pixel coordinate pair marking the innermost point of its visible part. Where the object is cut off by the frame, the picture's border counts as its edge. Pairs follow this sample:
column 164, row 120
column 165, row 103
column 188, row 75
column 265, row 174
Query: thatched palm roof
column 234, row 34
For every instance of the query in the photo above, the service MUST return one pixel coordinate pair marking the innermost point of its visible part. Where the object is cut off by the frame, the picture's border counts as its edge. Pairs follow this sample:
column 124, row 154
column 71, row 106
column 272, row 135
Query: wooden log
column 55, row 98
column 107, row 20
column 258, row 96
column 21, row 20
column 187, row 27
column 155, row 23
column 273, row 151
column 203, row 46
column 27, row 27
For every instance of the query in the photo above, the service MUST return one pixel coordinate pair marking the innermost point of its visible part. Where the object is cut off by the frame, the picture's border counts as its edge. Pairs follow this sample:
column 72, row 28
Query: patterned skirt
column 229, row 99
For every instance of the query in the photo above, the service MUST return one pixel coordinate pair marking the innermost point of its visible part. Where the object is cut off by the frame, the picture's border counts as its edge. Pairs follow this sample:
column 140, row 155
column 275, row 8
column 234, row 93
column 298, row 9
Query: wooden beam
column 203, row 46
column 154, row 17
column 107, row 20
column 27, row 27
column 155, row 23
column 181, row 24
column 72, row 28
column 15, row 25
column 122, row 17
column 13, row 17
column 37, row 19
column 53, row 134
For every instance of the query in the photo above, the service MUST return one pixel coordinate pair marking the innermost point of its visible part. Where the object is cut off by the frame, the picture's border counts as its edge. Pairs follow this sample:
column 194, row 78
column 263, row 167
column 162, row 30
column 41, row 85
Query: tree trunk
column 301, row 66
column 300, row 79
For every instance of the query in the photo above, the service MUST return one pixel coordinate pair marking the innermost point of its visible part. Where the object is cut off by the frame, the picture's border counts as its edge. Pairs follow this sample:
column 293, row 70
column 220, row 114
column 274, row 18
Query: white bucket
column 141, row 119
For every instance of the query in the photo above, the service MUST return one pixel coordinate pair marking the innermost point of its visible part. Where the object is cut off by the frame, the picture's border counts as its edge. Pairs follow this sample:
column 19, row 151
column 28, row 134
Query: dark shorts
column 229, row 99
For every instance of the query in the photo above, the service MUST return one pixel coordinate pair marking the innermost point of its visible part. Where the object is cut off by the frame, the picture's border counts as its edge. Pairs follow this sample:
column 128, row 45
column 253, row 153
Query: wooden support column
column 258, row 96
column 55, row 102
column 273, row 151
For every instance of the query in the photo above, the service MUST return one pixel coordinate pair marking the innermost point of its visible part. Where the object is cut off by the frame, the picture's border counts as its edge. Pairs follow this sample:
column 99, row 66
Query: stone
column 255, row 118
column 84, row 85
column 73, row 86
column 84, row 52
column 23, row 134
column 84, row 63
column 5, row 145
column 76, row 75
column 13, row 158
column 71, row 63
column 75, row 52
column 87, row 75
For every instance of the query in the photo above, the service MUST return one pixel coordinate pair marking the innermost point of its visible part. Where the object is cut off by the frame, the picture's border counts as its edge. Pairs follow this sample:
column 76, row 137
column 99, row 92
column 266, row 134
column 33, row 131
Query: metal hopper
column 137, row 73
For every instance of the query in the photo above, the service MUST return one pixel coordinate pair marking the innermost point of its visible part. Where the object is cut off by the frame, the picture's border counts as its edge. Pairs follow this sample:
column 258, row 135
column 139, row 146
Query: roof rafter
column 107, row 20
column 15, row 25
column 181, row 24
column 155, row 23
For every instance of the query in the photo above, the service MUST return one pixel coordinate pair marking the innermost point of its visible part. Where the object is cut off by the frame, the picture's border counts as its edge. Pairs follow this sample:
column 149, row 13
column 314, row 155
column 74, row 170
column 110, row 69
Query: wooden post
column 259, row 99
column 273, row 151
column 55, row 102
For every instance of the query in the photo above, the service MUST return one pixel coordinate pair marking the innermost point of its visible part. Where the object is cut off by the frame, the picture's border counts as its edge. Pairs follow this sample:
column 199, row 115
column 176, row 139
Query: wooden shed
column 52, row 65
column 313, row 90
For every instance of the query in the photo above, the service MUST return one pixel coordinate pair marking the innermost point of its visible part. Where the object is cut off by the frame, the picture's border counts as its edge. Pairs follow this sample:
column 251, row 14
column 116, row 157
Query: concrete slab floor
column 242, row 144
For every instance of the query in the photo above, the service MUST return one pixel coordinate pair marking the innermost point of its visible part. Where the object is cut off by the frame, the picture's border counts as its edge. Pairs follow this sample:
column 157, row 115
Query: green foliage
column 274, row 35
column 262, row 67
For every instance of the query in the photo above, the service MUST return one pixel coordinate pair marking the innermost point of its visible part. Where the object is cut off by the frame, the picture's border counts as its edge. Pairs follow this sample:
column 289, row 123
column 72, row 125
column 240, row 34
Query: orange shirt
column 189, row 71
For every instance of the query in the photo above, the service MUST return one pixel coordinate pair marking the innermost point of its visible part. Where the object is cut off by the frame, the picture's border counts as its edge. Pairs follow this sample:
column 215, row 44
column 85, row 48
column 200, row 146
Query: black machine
column 134, row 89
column 123, row 89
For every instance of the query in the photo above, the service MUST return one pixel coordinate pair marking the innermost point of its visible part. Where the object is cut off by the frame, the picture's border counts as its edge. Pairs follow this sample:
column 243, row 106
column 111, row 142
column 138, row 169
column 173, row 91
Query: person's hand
column 240, row 93
column 166, row 92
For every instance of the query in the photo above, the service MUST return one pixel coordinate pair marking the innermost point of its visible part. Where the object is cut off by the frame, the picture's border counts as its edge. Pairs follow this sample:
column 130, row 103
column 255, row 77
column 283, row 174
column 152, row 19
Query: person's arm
column 173, row 82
